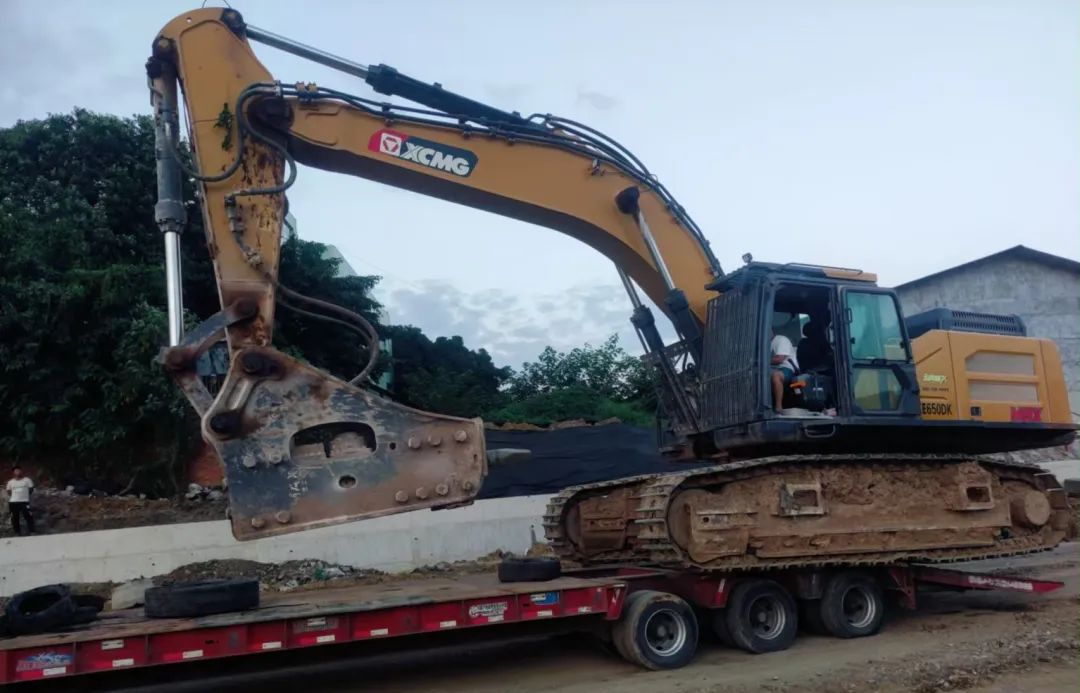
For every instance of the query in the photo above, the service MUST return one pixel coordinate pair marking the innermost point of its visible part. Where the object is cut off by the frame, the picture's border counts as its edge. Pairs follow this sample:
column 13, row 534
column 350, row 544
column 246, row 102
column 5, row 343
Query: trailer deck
column 126, row 639
column 288, row 621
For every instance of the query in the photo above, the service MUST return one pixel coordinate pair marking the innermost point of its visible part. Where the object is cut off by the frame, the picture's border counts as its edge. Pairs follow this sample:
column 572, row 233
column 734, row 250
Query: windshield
column 875, row 327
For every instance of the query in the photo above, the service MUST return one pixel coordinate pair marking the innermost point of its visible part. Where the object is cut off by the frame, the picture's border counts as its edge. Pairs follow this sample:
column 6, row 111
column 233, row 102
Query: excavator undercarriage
column 794, row 511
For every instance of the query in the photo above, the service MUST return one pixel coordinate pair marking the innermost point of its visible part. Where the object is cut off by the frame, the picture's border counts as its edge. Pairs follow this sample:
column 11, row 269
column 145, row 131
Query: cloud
column 508, row 94
column 513, row 328
column 596, row 99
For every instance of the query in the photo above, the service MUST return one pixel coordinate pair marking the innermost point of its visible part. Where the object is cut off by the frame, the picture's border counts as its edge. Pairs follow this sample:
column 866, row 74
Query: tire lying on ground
column 201, row 598
column 529, row 569
column 40, row 610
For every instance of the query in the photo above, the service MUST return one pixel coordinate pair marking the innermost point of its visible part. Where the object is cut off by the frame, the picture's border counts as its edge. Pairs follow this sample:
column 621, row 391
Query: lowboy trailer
column 652, row 617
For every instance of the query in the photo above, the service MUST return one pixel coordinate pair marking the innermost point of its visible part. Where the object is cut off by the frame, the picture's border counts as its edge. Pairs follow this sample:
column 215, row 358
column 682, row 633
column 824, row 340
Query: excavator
column 875, row 451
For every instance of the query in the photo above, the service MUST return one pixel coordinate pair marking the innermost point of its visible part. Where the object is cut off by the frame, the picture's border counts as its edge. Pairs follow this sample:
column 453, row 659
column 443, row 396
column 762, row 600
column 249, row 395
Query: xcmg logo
column 437, row 155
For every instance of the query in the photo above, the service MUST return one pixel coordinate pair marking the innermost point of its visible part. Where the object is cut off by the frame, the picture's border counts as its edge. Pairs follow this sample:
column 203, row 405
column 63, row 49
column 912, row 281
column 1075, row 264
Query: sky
column 897, row 137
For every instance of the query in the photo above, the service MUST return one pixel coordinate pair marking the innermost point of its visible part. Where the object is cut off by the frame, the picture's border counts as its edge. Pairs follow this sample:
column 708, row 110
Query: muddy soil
column 56, row 512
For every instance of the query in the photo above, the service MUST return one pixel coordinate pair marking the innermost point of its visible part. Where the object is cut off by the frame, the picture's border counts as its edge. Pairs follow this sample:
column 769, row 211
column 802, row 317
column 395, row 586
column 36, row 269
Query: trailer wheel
column 529, row 569
column 852, row 606
column 201, row 598
column 656, row 630
column 761, row 616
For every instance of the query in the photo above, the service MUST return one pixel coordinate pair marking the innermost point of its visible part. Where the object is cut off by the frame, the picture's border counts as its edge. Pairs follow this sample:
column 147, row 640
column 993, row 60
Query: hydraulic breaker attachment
column 302, row 449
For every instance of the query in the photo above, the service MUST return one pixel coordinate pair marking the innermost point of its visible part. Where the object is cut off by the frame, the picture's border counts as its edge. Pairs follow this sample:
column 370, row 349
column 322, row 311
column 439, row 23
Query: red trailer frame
column 289, row 621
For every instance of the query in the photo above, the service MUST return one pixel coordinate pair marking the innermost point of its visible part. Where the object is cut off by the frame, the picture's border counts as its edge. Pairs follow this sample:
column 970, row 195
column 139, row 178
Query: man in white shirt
column 19, row 488
column 784, row 365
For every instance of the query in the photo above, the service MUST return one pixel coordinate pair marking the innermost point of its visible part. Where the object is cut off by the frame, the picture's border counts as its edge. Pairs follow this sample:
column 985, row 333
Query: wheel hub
column 768, row 617
column 858, row 606
column 665, row 633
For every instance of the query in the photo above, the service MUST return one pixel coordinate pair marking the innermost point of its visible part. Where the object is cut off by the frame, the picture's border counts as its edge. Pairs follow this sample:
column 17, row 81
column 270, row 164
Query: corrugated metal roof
column 1017, row 252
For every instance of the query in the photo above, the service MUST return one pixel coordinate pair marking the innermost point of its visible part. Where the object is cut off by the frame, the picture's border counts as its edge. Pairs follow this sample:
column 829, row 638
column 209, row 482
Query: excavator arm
column 302, row 448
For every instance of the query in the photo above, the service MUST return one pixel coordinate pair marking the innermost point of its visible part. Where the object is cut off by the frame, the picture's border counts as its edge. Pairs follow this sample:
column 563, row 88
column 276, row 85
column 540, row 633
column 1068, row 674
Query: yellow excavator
column 859, row 444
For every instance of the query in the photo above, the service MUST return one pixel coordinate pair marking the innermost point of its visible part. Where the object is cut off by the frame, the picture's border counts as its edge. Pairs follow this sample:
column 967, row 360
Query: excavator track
column 804, row 511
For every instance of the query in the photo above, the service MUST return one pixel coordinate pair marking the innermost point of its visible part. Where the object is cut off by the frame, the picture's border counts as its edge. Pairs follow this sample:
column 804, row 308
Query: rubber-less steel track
column 653, row 541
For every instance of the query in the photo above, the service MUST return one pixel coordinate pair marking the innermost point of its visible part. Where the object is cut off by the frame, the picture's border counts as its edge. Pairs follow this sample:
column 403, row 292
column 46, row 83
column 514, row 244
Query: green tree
column 607, row 370
column 82, row 303
column 81, row 289
column 587, row 382
column 443, row 375
column 570, row 403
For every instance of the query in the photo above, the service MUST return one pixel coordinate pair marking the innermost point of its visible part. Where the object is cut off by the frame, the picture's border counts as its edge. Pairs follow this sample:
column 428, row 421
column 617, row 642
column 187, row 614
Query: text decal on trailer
column 437, row 155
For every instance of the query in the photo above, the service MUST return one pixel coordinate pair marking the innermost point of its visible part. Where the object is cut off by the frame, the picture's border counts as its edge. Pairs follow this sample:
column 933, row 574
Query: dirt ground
column 56, row 512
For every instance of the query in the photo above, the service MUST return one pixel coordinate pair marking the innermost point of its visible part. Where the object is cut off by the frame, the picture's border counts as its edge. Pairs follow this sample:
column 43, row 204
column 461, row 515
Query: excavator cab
column 851, row 357
column 856, row 386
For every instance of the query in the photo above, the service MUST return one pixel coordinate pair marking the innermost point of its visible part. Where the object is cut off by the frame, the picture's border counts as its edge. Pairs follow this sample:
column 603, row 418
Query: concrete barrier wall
column 397, row 543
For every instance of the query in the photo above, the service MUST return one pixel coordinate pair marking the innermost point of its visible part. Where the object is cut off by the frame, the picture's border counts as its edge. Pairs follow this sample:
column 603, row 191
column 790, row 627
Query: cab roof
column 794, row 270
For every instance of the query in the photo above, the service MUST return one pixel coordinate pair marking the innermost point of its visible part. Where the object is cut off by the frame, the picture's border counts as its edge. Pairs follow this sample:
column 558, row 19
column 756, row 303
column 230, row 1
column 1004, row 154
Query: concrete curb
column 398, row 543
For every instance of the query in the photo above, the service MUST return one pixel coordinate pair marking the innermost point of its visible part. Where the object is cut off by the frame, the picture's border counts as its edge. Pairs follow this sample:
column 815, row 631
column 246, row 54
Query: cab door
column 881, row 373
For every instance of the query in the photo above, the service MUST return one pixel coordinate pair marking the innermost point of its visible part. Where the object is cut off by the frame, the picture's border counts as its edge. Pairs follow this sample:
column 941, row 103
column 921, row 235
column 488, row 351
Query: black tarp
column 572, row 456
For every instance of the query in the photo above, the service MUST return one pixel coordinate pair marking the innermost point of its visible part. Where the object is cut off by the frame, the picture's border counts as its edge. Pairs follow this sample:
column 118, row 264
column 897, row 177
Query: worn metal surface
column 303, row 449
column 179, row 360
column 794, row 511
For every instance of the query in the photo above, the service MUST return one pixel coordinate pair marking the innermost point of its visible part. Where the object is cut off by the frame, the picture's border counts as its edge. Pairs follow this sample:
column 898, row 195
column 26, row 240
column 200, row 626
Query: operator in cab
column 783, row 367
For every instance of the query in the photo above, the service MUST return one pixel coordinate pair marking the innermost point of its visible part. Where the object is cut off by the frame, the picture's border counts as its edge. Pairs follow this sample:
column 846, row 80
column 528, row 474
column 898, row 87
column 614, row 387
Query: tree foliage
column 571, row 403
column 587, row 382
column 82, row 310
column 443, row 375
column 606, row 369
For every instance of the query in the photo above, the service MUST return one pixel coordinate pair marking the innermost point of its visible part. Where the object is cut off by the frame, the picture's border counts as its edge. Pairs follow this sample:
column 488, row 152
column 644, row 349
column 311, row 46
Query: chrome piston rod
column 169, row 211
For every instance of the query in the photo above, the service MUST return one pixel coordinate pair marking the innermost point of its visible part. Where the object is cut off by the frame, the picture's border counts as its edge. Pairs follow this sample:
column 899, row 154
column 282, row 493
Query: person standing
column 19, row 488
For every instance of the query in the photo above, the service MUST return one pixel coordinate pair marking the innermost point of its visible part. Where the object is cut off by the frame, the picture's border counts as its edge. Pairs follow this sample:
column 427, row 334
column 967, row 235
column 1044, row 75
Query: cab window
column 875, row 327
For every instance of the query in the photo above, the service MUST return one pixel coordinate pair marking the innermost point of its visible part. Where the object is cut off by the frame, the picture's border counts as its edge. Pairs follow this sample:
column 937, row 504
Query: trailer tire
column 761, row 616
column 656, row 630
column 529, row 569
column 201, row 598
column 852, row 605
column 40, row 610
